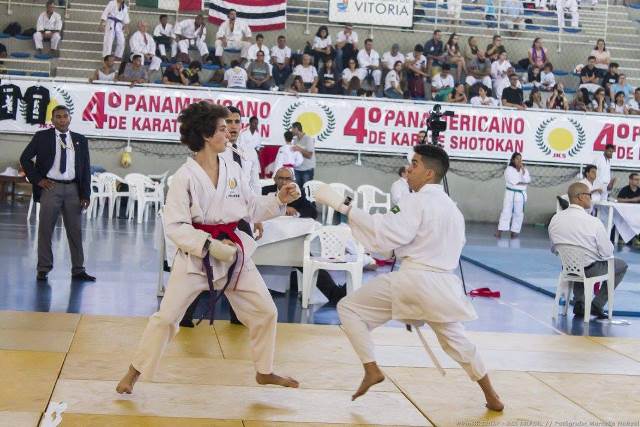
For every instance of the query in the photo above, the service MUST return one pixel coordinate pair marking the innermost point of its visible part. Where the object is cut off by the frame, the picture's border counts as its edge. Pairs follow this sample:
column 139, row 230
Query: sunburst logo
column 317, row 120
column 560, row 137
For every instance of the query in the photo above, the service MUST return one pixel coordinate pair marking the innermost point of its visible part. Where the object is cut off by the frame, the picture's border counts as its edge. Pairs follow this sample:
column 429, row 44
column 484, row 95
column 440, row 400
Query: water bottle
column 562, row 302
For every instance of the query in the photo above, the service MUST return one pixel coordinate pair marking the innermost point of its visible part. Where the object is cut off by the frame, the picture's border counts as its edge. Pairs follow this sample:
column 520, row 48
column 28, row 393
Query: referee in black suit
column 61, row 181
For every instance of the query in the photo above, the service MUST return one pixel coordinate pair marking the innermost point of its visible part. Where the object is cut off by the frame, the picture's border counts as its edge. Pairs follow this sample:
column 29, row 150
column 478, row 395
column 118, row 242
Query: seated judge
column 631, row 192
column 301, row 208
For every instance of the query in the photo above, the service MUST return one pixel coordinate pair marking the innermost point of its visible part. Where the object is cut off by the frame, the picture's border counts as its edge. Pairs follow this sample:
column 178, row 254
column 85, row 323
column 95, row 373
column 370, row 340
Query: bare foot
column 494, row 403
column 264, row 379
column 126, row 383
column 372, row 376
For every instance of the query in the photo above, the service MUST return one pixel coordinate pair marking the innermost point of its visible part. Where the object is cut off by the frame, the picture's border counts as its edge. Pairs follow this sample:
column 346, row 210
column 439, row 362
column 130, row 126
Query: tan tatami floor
column 206, row 378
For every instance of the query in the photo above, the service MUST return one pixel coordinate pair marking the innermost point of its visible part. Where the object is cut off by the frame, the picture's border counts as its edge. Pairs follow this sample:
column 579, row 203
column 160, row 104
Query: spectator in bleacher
column 470, row 50
column 513, row 96
column 558, row 99
column 173, row 75
column 454, row 56
column 618, row 105
column 346, row 46
column 231, row 35
column 106, row 73
column 442, row 84
column 191, row 73
column 416, row 64
column 535, row 99
column 538, row 54
column 297, row 86
column 500, row 74
column 533, row 76
column 308, row 72
column 304, row 145
column 165, row 39
column 458, row 96
column 393, row 82
column 135, row 72
column 630, row 193
column 390, row 58
column 513, row 15
column 634, row 103
column 141, row 42
column 580, row 101
column 322, row 47
column 612, row 76
column 602, row 55
column 482, row 98
column 115, row 24
column 369, row 64
column 572, row 7
column 192, row 33
column 479, row 70
column 259, row 45
column 454, row 8
column 235, row 76
column 329, row 78
column 490, row 13
column 589, row 76
column 599, row 102
column 259, row 74
column 547, row 78
column 622, row 86
column 3, row 51
column 495, row 48
column 353, row 88
column 349, row 73
column 48, row 28
column 434, row 51
column 281, row 61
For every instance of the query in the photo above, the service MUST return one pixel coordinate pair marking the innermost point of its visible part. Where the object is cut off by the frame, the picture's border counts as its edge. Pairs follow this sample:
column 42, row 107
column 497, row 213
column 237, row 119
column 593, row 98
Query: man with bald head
column 574, row 226
column 143, row 43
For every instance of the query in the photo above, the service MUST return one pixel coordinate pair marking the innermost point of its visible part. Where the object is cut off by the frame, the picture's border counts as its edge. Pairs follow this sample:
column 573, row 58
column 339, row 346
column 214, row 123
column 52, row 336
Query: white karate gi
column 192, row 37
column 234, row 38
column 572, row 7
column 603, row 176
column 399, row 189
column 52, row 24
column 286, row 156
column 192, row 198
column 369, row 59
column 250, row 140
column 427, row 234
column 250, row 166
column 167, row 31
column 515, row 197
column 115, row 20
column 137, row 44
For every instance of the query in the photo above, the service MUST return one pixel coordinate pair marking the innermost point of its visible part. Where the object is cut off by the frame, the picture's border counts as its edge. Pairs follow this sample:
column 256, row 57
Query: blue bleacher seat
column 317, row 12
column 473, row 23
column 17, row 73
column 42, row 56
column 491, row 24
column 560, row 73
column 229, row 50
column 20, row 55
column 212, row 67
column 529, row 12
column 424, row 19
column 551, row 28
column 532, row 27
column 428, row 5
column 572, row 30
column 40, row 74
column 548, row 13
column 21, row 37
column 212, row 84
column 569, row 90
column 471, row 8
column 297, row 10
column 4, row 36
column 634, row 5
column 527, row 86
column 157, row 82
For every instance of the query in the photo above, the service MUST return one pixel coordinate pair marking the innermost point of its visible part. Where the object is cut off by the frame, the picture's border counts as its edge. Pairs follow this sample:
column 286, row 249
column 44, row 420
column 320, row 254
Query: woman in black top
column 329, row 78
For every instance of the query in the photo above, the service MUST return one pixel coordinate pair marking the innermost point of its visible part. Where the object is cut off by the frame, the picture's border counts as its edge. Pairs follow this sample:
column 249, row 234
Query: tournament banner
column 340, row 124
column 390, row 13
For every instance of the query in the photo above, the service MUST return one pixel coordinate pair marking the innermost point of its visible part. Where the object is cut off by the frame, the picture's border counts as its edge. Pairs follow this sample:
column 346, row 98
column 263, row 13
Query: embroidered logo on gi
column 317, row 120
column 560, row 138
column 395, row 209
column 233, row 183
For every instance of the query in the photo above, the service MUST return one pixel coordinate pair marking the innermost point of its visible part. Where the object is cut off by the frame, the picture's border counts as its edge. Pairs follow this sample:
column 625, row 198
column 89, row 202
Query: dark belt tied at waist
column 62, row 181
column 221, row 232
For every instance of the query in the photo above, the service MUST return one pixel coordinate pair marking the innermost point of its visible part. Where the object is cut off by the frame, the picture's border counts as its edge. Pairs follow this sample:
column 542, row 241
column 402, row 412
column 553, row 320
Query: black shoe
column 187, row 323
column 41, row 277
column 83, row 277
column 233, row 318
column 598, row 312
column 578, row 309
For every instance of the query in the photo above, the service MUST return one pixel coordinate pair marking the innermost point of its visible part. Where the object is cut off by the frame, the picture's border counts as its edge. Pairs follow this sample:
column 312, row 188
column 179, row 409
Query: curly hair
column 199, row 121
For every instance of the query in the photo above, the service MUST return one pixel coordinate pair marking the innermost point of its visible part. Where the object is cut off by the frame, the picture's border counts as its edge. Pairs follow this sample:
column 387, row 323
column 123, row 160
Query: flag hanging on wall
column 261, row 15
column 182, row 5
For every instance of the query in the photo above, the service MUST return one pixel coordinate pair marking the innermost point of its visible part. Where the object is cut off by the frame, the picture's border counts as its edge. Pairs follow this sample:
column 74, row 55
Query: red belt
column 221, row 232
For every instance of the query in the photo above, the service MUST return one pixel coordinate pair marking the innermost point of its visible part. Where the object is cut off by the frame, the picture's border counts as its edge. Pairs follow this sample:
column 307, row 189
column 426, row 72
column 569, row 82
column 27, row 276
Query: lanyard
column 62, row 144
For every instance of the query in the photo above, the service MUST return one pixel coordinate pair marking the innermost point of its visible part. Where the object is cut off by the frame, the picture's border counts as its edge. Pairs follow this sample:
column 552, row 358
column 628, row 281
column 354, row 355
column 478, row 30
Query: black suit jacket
column 43, row 148
column 302, row 205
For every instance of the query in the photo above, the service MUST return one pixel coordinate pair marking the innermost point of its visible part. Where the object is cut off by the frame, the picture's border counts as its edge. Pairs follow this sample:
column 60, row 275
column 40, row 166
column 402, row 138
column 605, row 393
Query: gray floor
column 123, row 256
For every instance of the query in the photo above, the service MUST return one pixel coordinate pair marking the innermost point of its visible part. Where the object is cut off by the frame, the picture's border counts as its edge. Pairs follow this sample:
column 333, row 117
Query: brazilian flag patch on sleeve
column 395, row 209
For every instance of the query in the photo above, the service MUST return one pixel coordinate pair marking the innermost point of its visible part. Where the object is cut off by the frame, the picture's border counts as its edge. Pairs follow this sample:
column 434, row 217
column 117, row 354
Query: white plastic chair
column 143, row 191
column 333, row 256
column 162, row 179
column 31, row 207
column 344, row 191
column 111, row 183
column 309, row 189
column 99, row 197
column 574, row 259
column 367, row 194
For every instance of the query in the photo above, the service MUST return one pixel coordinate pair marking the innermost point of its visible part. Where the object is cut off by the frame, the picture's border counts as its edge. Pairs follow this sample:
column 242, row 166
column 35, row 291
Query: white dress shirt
column 348, row 38
column 320, row 43
column 368, row 59
column 70, row 171
column 399, row 189
column 46, row 23
column 574, row 226
column 240, row 30
column 281, row 54
column 252, row 52
column 438, row 82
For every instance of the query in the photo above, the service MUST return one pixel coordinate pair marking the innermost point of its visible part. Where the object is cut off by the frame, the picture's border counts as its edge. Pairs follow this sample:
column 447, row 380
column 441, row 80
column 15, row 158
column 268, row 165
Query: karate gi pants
column 162, row 43
column 572, row 6
column 184, row 44
column 111, row 34
column 154, row 63
column 233, row 44
column 512, row 211
column 362, row 74
column 38, row 39
column 370, row 307
column 250, row 300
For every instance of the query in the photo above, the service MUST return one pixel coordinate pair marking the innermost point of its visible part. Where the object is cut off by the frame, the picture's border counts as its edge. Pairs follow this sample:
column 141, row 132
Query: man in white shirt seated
column 192, row 33
column 141, row 42
column 48, row 28
column 400, row 187
column 391, row 57
column 369, row 64
column 574, row 226
column 281, row 61
column 346, row 46
column 258, row 45
column 590, row 174
column 231, row 35
column 236, row 76
column 634, row 103
column 165, row 39
column 442, row 84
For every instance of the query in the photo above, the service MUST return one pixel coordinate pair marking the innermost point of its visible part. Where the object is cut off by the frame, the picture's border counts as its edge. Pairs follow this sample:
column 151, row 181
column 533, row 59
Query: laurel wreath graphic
column 326, row 132
column 68, row 102
column 286, row 119
column 540, row 136
column 581, row 138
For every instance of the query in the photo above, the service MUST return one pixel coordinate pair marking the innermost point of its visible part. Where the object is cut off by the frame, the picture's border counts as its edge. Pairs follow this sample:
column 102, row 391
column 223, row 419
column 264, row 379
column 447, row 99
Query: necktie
column 63, row 153
column 236, row 156
column 145, row 38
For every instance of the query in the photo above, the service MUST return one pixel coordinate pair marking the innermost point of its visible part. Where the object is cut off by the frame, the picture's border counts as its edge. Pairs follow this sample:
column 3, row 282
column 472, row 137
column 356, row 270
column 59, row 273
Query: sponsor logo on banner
column 317, row 120
column 390, row 13
column 560, row 137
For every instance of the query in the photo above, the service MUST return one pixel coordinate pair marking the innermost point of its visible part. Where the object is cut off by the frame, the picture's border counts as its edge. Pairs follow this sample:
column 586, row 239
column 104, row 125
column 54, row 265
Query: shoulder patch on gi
column 395, row 209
